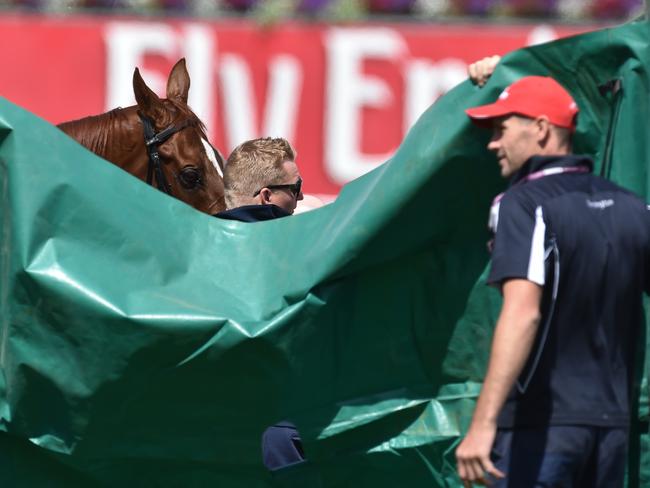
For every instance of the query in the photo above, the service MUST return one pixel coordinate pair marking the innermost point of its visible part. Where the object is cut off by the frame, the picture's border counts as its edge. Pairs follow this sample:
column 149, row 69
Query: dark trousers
column 561, row 457
column 281, row 446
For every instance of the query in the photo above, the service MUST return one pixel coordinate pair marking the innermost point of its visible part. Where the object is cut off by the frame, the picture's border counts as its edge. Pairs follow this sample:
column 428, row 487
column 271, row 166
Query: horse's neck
column 98, row 133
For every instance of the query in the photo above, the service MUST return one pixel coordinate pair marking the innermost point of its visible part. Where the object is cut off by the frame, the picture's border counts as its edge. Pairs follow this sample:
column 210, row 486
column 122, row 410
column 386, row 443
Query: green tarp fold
column 144, row 343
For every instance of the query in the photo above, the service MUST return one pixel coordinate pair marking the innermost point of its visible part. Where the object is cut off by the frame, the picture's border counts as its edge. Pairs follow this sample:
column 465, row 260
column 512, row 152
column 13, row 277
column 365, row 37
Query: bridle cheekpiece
column 153, row 141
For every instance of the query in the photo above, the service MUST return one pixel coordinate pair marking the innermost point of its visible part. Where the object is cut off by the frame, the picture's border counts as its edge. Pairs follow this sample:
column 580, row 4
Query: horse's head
column 176, row 138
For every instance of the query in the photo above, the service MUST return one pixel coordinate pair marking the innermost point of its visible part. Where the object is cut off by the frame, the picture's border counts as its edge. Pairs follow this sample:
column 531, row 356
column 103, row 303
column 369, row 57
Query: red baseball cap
column 531, row 96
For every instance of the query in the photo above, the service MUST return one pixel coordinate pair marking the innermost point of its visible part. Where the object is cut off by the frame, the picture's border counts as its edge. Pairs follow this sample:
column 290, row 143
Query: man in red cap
column 571, row 256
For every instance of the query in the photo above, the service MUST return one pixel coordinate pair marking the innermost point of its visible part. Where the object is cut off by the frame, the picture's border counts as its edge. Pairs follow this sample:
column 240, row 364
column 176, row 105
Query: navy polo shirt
column 587, row 242
column 281, row 443
column 253, row 213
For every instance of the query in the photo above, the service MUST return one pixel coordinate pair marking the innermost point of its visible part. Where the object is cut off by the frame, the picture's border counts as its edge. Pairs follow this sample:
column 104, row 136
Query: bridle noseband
column 153, row 141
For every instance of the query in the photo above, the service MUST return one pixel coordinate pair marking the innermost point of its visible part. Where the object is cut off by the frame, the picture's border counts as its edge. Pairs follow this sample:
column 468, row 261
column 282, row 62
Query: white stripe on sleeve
column 536, row 270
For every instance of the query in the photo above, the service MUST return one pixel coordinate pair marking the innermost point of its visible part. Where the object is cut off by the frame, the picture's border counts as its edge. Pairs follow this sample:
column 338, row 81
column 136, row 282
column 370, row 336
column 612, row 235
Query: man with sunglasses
column 261, row 181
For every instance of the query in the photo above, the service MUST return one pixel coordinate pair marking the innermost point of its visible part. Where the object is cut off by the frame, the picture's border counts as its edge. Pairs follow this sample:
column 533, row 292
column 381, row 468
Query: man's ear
column 265, row 196
column 543, row 129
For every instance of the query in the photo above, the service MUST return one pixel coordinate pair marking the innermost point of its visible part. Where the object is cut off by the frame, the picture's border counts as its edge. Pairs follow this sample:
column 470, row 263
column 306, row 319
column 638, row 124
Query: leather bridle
column 153, row 141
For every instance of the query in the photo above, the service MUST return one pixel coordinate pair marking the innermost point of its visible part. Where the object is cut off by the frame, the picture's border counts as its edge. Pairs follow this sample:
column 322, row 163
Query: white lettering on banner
column 426, row 81
column 200, row 50
column 282, row 99
column 349, row 90
column 541, row 34
column 238, row 107
column 127, row 45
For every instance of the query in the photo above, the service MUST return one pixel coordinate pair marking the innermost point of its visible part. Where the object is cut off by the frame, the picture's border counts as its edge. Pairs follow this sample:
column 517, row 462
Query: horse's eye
column 189, row 177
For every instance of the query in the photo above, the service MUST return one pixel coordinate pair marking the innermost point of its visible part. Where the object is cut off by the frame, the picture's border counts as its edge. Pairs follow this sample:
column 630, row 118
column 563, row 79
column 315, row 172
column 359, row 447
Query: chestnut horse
column 158, row 139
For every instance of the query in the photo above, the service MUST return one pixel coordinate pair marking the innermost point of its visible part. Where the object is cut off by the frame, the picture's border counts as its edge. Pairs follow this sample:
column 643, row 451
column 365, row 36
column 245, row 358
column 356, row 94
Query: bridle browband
column 153, row 141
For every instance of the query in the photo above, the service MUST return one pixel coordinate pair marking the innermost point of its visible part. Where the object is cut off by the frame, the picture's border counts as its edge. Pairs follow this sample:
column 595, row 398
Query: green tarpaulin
column 146, row 344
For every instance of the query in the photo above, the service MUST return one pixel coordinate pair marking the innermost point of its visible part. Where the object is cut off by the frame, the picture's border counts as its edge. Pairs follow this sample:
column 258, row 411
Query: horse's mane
column 94, row 119
column 94, row 131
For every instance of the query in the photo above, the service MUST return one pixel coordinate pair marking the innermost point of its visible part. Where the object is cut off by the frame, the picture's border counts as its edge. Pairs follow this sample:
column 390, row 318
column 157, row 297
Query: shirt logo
column 600, row 204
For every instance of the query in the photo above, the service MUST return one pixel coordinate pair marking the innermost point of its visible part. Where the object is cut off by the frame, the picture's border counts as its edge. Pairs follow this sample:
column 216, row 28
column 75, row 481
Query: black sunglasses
column 294, row 188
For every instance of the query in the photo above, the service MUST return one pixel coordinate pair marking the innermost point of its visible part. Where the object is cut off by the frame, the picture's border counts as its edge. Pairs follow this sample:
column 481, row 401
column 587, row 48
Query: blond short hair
column 253, row 165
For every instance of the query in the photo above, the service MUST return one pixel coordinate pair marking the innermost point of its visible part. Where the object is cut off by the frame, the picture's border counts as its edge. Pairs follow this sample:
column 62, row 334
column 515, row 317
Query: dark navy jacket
column 281, row 443
column 587, row 242
column 253, row 213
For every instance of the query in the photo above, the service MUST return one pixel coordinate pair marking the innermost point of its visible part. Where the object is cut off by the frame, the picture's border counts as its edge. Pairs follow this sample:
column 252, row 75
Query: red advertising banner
column 343, row 95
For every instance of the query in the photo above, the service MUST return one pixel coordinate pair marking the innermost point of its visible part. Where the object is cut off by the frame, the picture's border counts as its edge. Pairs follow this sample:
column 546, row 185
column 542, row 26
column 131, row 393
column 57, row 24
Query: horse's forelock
column 186, row 113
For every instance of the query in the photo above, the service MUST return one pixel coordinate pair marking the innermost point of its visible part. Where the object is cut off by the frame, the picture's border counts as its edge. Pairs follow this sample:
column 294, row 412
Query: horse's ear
column 178, row 83
column 145, row 97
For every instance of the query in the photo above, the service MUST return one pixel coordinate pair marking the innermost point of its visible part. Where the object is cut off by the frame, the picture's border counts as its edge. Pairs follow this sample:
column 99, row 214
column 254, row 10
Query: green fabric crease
column 142, row 342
